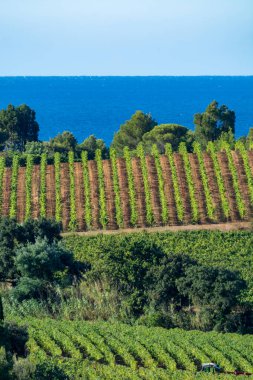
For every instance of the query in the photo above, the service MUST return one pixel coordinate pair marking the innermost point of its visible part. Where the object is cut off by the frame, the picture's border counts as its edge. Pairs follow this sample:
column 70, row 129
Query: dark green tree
column 63, row 142
column 130, row 134
column 167, row 133
column 91, row 144
column 18, row 125
column 210, row 124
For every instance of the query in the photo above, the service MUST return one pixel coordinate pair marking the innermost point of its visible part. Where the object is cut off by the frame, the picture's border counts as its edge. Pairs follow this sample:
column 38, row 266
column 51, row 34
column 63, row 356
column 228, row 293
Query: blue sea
column 99, row 105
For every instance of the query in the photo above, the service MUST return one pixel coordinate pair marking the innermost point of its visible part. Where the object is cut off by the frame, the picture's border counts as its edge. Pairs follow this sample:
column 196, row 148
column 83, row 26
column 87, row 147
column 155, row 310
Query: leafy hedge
column 177, row 194
column 190, row 184
column 14, row 183
column 43, row 186
column 2, row 168
column 144, row 170
column 73, row 217
column 86, row 186
column 28, row 186
column 163, row 201
column 239, row 200
column 131, row 187
column 57, row 168
column 209, row 201
column 102, row 199
column 219, row 178
column 116, row 188
column 244, row 154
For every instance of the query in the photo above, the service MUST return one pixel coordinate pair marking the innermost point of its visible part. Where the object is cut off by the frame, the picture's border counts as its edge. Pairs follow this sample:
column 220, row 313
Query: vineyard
column 100, row 350
column 170, row 189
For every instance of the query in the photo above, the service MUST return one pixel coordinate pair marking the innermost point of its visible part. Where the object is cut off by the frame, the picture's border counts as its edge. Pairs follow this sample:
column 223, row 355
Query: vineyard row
column 169, row 189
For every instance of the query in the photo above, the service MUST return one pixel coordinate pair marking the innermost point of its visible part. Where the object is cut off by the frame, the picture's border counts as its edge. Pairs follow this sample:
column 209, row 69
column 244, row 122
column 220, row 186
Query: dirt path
column 190, row 227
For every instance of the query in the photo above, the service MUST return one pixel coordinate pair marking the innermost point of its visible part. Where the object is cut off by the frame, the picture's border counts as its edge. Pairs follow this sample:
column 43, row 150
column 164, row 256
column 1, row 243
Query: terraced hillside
column 171, row 189
column 101, row 350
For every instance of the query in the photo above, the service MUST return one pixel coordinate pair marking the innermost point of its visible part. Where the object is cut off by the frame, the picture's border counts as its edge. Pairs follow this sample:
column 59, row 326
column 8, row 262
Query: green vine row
column 86, row 186
column 190, row 183
column 43, row 186
column 116, row 188
column 101, row 184
column 144, row 170
column 73, row 217
column 159, row 171
column 57, row 168
column 2, row 169
column 244, row 154
column 28, row 186
column 14, row 184
column 177, row 194
column 131, row 187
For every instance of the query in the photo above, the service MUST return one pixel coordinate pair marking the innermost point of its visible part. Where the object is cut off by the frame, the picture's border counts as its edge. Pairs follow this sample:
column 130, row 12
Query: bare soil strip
column 6, row 192
column 65, row 195
column 36, row 192
column 50, row 189
column 140, row 194
column 242, row 179
column 168, row 190
column 124, row 196
column 79, row 196
column 154, row 189
column 21, row 195
column 109, row 194
column 94, row 192
column 225, row 227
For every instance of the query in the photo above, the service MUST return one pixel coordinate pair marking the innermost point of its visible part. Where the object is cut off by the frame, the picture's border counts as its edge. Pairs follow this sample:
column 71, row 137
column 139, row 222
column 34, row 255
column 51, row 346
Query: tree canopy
column 130, row 134
column 18, row 125
column 91, row 144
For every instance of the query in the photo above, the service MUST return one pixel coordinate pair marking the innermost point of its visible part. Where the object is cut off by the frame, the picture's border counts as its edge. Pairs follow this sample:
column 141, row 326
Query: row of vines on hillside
column 131, row 187
column 73, row 217
column 144, row 170
column 116, row 188
column 14, row 184
column 244, row 154
column 239, row 199
column 209, row 201
column 28, row 186
column 86, row 186
column 2, row 168
column 57, row 170
column 163, row 201
column 219, row 179
column 101, row 184
column 177, row 194
column 43, row 186
column 190, row 183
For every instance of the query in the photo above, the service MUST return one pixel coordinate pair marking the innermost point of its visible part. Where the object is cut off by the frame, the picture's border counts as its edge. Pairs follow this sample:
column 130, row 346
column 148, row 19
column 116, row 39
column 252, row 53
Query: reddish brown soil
column 109, row 194
column 228, row 182
column 6, row 192
column 21, row 194
column 140, row 194
column 79, row 196
column 183, row 187
column 168, row 190
column 124, row 196
column 50, row 189
column 154, row 189
column 65, row 195
column 36, row 192
column 94, row 194
column 213, row 186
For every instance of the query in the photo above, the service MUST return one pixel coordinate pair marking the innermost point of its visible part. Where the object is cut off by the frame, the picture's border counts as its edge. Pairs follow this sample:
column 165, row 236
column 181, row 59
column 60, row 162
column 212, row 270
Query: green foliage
column 43, row 185
column 86, row 185
column 162, row 134
column 177, row 194
column 18, row 125
column 219, row 178
column 209, row 200
column 116, row 188
column 239, row 199
column 63, row 143
column 14, row 183
column 28, row 186
column 130, row 134
column 131, row 187
column 73, row 217
column 102, row 199
column 57, row 169
column 244, row 154
column 210, row 124
column 144, row 170
column 190, row 184
column 2, row 168
column 91, row 144
column 163, row 201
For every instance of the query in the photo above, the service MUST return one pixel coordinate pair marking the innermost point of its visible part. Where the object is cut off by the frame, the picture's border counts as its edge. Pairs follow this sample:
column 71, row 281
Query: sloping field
column 102, row 350
column 171, row 189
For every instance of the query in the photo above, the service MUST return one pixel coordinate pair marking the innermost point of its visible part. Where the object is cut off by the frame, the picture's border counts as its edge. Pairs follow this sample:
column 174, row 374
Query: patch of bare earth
column 21, row 195
column 140, row 194
column 154, row 190
column 169, row 190
column 36, row 192
column 50, row 191
column 124, row 194
column 79, row 196
column 94, row 192
column 109, row 194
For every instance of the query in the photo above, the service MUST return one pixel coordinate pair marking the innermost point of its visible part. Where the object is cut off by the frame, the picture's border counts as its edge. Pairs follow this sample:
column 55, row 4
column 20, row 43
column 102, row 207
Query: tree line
column 19, row 132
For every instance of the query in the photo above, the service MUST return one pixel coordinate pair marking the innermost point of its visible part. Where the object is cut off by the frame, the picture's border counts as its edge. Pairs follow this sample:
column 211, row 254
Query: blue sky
column 126, row 37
